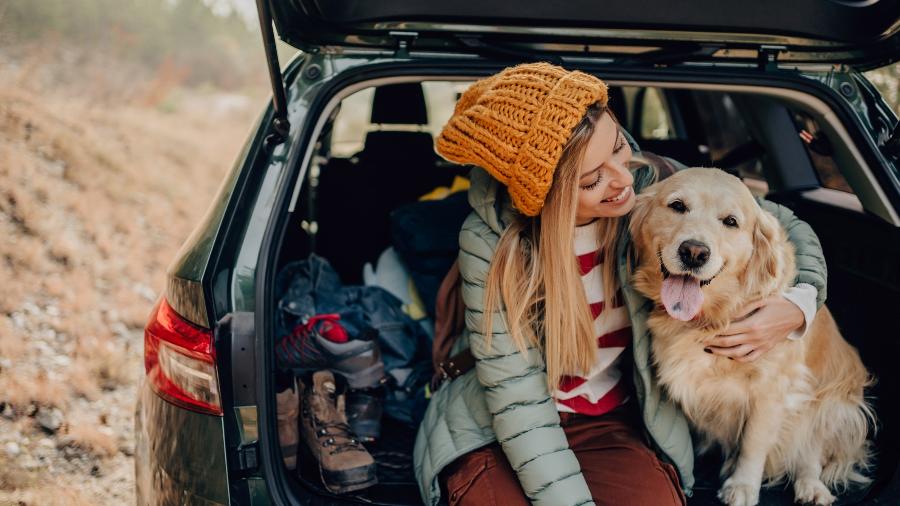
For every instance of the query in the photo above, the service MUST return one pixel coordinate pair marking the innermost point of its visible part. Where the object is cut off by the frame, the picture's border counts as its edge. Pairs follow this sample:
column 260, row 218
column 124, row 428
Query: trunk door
column 860, row 33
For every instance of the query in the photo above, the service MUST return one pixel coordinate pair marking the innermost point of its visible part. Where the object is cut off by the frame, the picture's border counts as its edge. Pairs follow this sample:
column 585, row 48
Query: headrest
column 399, row 104
column 397, row 146
column 617, row 105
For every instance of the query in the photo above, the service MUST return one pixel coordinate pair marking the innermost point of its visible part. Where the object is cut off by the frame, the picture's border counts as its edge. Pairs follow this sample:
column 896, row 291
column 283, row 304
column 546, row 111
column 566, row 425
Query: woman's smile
column 620, row 198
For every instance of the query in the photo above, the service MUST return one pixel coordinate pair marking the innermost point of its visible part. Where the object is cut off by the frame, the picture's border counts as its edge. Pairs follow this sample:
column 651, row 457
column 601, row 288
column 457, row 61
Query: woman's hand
column 765, row 323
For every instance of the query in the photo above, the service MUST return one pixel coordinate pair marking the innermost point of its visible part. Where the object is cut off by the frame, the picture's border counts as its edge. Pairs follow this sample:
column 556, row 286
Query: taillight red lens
column 180, row 361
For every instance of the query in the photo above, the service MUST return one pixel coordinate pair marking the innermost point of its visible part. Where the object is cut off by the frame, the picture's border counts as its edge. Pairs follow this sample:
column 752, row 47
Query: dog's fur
column 798, row 411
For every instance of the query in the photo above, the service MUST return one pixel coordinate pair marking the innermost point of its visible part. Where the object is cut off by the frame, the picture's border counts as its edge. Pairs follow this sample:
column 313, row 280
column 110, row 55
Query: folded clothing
column 316, row 312
column 426, row 237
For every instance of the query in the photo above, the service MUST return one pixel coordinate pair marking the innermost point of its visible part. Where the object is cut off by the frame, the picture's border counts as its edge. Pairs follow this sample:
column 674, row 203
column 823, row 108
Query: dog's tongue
column 682, row 297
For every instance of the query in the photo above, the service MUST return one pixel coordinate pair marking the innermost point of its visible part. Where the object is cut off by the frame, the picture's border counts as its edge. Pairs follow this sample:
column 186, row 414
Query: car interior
column 375, row 154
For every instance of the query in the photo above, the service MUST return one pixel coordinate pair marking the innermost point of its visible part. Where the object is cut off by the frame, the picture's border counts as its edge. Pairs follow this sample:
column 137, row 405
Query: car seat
column 356, row 195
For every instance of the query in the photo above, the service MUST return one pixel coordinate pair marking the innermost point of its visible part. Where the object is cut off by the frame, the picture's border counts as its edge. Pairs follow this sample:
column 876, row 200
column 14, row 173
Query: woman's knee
column 482, row 477
column 631, row 476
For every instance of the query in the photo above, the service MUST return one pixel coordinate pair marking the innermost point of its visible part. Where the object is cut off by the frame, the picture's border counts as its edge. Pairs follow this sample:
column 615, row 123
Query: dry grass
column 12, row 477
column 95, row 199
column 51, row 496
column 86, row 436
column 11, row 343
column 39, row 390
column 82, row 382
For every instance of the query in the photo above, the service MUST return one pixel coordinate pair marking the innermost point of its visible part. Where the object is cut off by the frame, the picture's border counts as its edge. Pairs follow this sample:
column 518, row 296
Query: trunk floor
column 396, row 481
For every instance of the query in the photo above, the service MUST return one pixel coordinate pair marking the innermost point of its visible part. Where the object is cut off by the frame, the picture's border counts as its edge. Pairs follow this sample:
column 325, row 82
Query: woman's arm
column 811, row 267
column 525, row 418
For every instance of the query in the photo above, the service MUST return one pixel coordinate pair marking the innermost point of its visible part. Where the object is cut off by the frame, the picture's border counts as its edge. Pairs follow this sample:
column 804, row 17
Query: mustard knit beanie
column 515, row 123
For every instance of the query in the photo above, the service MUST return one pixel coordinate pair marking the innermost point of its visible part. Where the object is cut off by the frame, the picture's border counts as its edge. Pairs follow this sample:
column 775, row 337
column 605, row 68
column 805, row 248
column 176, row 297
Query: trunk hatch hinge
column 767, row 57
column 280, row 124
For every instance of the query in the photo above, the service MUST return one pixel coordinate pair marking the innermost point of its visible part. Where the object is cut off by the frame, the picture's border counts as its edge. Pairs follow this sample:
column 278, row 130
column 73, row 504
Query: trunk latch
column 767, row 58
column 404, row 41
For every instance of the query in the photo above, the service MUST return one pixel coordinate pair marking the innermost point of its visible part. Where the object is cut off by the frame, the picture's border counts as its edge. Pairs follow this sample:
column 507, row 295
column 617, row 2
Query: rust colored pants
column 619, row 468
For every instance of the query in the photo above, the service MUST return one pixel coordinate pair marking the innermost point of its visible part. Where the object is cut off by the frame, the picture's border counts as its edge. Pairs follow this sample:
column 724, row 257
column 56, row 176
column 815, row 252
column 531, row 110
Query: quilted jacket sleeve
column 811, row 266
column 525, row 418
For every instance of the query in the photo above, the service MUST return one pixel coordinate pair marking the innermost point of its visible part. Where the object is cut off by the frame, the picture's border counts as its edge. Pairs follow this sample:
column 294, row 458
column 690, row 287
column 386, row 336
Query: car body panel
column 188, row 272
column 179, row 455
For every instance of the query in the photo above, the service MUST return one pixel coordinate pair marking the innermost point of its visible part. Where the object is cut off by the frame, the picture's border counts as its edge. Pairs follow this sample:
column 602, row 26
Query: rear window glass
column 353, row 120
column 728, row 136
column 819, row 149
column 656, row 120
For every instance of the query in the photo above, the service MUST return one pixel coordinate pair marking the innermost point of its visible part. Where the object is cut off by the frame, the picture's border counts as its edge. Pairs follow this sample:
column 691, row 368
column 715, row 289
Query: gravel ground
column 94, row 203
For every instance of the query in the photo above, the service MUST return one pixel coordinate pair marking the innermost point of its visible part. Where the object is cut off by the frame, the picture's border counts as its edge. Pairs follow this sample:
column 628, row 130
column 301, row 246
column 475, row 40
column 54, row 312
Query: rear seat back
column 355, row 196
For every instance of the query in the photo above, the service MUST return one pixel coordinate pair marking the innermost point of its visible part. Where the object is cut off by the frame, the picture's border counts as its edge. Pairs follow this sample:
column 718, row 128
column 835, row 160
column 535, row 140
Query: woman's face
column 604, row 182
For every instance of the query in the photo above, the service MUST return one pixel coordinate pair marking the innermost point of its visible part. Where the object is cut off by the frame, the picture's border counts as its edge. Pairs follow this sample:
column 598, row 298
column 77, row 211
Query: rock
column 31, row 308
column 145, row 291
column 7, row 411
column 49, row 419
column 12, row 449
column 19, row 320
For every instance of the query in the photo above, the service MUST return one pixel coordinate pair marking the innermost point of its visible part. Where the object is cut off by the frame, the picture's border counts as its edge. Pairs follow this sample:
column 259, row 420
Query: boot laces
column 339, row 429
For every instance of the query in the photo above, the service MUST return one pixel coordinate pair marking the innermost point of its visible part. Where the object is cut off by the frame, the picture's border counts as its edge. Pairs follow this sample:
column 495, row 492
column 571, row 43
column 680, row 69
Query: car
column 771, row 91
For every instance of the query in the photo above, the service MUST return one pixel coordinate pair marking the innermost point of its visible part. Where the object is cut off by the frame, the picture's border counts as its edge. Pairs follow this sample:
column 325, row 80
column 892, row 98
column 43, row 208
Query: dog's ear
column 768, row 262
column 642, row 207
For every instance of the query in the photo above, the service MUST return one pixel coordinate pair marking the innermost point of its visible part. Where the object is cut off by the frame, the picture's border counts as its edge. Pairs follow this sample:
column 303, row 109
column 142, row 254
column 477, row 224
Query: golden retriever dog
column 705, row 249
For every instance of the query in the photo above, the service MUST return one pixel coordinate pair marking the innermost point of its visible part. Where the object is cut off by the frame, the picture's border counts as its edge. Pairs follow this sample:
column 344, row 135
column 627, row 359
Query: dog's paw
column 735, row 493
column 807, row 491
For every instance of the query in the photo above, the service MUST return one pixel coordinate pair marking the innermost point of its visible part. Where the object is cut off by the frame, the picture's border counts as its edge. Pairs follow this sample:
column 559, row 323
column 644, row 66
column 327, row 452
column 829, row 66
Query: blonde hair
column 535, row 273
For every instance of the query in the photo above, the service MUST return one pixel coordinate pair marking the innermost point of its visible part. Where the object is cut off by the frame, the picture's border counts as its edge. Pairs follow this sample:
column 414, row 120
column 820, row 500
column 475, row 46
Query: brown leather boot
column 344, row 463
column 288, row 412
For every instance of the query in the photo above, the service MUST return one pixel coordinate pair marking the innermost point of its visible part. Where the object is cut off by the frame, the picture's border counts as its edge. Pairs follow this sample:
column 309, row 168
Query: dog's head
column 703, row 243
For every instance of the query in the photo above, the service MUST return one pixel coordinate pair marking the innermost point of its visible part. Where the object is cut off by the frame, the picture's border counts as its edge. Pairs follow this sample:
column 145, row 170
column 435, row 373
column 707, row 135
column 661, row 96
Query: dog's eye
column 730, row 221
column 678, row 206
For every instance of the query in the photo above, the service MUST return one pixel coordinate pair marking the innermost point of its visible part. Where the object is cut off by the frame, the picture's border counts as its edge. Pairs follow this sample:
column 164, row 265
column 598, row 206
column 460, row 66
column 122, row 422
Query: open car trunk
column 349, row 195
column 863, row 34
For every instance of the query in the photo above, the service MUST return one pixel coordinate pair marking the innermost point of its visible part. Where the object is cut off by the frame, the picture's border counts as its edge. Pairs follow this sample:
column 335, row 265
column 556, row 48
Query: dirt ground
column 95, row 199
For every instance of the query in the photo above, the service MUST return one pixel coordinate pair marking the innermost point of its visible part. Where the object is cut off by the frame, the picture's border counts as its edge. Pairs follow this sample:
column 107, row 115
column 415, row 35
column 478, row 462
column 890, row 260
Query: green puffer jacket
column 506, row 397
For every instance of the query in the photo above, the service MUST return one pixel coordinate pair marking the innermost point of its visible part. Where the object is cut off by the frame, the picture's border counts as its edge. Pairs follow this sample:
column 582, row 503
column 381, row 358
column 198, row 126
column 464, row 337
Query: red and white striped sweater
column 603, row 388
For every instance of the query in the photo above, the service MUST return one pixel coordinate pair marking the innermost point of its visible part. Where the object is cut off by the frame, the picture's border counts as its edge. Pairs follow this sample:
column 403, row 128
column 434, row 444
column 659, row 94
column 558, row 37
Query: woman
column 557, row 409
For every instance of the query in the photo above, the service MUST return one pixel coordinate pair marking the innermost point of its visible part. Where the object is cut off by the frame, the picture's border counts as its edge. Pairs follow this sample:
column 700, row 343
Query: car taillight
column 180, row 361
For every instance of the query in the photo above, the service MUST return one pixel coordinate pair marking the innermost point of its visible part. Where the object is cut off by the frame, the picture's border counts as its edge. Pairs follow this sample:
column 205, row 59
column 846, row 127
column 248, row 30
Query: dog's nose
column 693, row 253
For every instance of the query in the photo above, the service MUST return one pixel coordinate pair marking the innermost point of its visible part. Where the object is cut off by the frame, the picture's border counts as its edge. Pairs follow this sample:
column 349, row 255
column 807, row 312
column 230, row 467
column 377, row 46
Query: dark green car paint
column 179, row 454
column 184, row 457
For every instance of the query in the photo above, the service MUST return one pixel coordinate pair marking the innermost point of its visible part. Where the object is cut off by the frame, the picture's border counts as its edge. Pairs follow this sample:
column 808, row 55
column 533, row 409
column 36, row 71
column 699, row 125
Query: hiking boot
column 344, row 464
column 287, row 413
column 320, row 342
